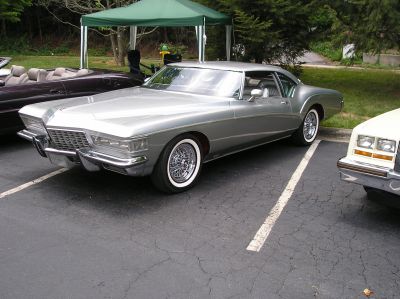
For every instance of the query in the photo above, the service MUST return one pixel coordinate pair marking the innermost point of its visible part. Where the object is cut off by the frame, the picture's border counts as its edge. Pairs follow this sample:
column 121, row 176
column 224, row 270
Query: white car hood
column 384, row 126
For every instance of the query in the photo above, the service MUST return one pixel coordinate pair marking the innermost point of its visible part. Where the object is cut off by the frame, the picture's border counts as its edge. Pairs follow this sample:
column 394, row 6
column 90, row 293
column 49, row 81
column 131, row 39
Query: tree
column 10, row 11
column 117, row 36
column 377, row 26
column 269, row 30
column 372, row 25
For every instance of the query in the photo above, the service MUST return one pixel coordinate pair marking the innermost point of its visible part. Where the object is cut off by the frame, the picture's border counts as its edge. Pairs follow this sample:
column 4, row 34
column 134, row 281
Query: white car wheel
column 308, row 131
column 183, row 163
column 179, row 165
column 310, row 126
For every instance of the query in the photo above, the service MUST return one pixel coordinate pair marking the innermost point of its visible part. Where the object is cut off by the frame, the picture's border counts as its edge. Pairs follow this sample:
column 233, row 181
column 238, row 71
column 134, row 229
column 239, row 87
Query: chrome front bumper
column 89, row 159
column 369, row 175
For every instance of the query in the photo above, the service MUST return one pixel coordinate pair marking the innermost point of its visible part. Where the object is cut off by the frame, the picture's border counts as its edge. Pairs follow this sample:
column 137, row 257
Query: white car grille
column 68, row 140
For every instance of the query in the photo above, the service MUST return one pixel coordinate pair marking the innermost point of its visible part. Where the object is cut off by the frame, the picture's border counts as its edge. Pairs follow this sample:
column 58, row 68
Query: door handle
column 284, row 102
column 56, row 91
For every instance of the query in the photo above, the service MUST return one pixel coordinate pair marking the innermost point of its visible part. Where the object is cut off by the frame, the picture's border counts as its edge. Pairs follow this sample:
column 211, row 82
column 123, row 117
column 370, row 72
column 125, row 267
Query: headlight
column 33, row 124
column 365, row 141
column 131, row 146
column 386, row 145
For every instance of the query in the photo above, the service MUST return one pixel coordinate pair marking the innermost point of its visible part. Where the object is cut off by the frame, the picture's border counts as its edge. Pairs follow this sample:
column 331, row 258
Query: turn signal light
column 363, row 153
column 383, row 157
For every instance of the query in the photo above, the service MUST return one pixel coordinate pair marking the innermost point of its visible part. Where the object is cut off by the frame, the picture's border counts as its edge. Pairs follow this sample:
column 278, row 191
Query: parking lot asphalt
column 103, row 235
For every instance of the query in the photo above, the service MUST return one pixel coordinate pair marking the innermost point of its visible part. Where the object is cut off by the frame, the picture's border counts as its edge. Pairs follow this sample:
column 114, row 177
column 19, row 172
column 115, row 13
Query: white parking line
column 261, row 236
column 31, row 183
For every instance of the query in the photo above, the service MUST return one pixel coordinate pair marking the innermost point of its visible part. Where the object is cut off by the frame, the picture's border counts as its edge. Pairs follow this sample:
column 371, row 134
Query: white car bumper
column 369, row 175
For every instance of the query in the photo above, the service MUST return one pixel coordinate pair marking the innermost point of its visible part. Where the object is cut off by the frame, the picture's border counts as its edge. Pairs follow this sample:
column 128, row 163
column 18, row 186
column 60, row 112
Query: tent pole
column 84, row 52
column 204, row 40
column 86, row 47
column 199, row 32
column 132, row 37
column 228, row 42
column 82, row 60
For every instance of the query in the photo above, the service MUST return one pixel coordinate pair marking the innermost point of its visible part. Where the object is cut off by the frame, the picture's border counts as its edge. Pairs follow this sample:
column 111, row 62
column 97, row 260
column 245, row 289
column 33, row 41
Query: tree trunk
column 121, row 46
column 114, row 46
column 3, row 28
column 166, row 35
column 27, row 24
column 39, row 25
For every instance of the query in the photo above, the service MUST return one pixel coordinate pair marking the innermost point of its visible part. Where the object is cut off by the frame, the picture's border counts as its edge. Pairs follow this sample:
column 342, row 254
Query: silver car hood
column 127, row 112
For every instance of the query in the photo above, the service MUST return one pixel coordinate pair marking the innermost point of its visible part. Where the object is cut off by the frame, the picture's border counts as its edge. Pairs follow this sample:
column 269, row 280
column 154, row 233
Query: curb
column 335, row 134
column 331, row 66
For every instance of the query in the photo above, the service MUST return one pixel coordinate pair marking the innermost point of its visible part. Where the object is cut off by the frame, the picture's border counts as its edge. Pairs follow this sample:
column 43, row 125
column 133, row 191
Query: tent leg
column 84, row 52
column 82, row 61
column 200, row 42
column 204, row 41
column 228, row 42
column 132, row 37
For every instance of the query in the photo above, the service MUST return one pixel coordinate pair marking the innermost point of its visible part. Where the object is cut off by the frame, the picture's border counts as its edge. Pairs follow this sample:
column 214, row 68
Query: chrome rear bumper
column 369, row 175
column 89, row 159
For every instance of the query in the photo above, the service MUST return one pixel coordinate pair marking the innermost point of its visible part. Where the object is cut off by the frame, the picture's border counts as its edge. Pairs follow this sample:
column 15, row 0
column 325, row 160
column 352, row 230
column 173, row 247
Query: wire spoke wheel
column 310, row 126
column 308, row 130
column 182, row 162
column 179, row 165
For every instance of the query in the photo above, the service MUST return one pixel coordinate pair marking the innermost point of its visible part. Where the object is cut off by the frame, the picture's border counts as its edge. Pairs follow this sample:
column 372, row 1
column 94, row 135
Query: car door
column 13, row 98
column 265, row 118
column 84, row 85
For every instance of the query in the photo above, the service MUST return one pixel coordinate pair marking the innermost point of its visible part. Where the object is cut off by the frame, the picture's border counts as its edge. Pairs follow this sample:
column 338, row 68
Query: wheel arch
column 164, row 183
column 313, row 103
column 320, row 110
column 205, row 142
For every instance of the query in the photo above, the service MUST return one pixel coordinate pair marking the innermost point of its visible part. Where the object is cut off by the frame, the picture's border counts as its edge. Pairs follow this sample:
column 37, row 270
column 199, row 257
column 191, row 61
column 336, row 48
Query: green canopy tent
column 167, row 13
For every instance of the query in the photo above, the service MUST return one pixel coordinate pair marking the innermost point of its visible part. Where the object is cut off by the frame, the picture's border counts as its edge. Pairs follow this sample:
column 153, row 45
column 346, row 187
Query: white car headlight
column 131, row 146
column 365, row 141
column 33, row 124
column 386, row 145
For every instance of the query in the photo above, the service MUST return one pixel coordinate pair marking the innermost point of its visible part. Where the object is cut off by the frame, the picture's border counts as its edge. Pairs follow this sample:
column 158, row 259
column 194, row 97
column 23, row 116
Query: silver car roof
column 235, row 66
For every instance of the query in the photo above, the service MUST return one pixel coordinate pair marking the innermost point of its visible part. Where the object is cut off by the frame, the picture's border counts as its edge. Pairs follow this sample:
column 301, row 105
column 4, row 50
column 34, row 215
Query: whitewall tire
column 179, row 165
column 308, row 131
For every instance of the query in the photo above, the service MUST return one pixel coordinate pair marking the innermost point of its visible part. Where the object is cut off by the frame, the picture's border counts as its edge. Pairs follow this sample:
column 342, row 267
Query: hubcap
column 182, row 162
column 310, row 126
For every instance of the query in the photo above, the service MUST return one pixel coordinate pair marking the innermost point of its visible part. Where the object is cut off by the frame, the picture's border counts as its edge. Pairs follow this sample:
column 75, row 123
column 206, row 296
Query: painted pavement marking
column 262, row 234
column 33, row 182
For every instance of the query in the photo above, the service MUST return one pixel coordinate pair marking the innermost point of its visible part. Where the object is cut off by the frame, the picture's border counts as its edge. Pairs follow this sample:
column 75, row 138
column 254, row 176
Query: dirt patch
column 353, row 116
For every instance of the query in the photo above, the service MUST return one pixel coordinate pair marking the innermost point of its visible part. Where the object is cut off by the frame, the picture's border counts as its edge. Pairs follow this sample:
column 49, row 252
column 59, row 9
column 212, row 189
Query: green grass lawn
column 73, row 62
column 367, row 93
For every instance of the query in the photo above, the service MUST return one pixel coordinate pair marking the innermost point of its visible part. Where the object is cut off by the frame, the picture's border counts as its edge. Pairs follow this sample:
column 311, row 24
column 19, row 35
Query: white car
column 373, row 156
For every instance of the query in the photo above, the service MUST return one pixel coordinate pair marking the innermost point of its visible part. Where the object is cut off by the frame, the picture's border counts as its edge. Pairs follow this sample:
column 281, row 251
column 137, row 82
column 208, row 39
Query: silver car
column 185, row 115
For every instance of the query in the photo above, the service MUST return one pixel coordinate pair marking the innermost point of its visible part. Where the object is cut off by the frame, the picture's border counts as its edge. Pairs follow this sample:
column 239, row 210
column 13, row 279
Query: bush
column 327, row 49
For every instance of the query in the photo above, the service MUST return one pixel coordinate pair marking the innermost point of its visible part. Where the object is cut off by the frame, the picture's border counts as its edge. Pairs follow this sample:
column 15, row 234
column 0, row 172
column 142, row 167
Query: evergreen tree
column 377, row 26
column 269, row 30
column 10, row 10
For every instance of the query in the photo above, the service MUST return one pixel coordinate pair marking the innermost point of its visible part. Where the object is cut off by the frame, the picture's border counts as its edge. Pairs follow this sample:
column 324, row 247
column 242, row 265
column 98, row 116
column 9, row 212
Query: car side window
column 260, row 80
column 288, row 86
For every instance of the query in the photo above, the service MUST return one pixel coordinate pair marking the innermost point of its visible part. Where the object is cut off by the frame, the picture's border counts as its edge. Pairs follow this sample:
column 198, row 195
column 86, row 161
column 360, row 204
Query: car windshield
column 201, row 81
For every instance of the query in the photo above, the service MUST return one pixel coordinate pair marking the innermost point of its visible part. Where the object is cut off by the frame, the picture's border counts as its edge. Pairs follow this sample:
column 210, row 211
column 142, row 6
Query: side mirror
column 2, row 83
column 255, row 93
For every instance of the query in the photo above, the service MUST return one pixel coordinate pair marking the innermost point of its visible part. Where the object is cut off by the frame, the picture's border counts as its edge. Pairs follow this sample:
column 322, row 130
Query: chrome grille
column 68, row 140
column 397, row 163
